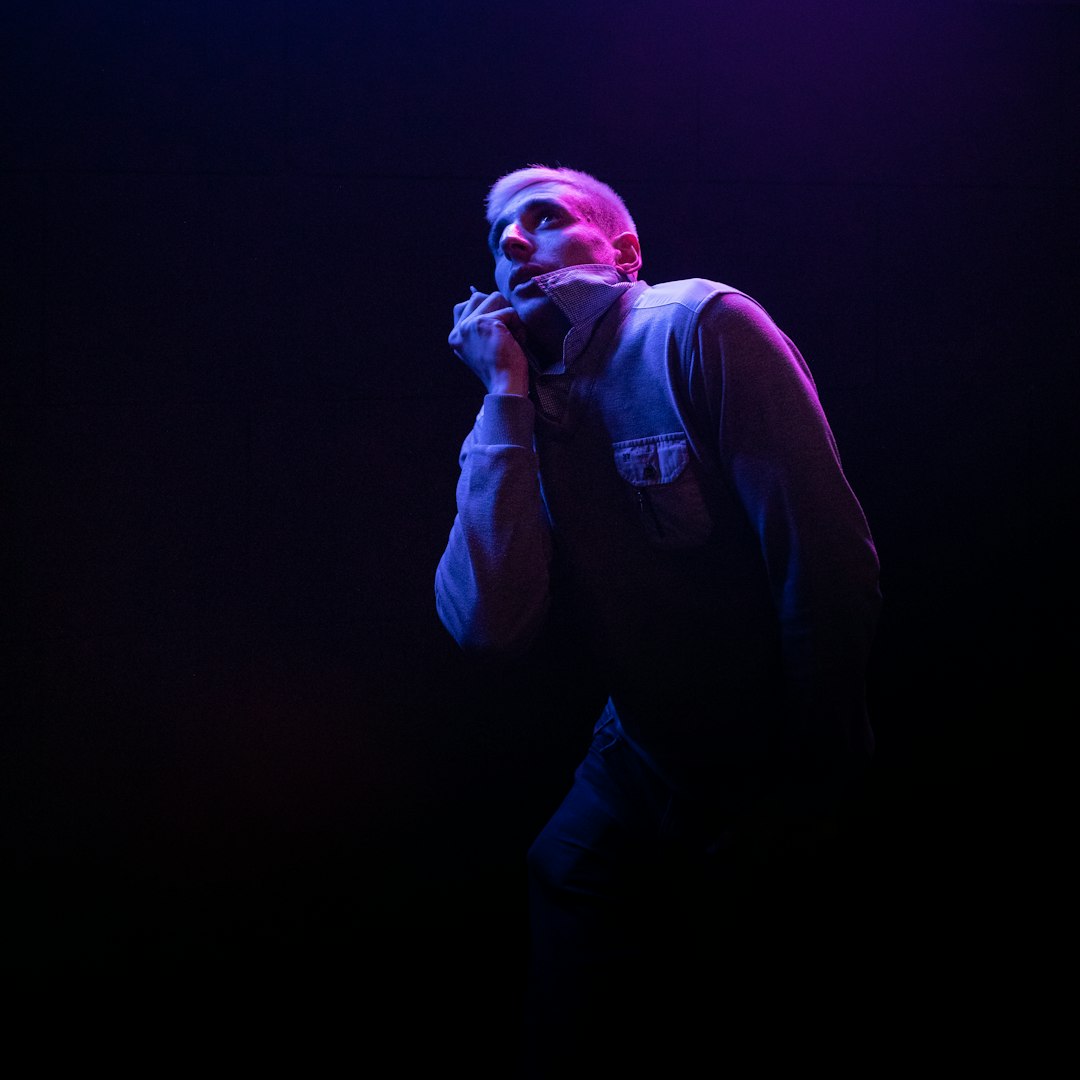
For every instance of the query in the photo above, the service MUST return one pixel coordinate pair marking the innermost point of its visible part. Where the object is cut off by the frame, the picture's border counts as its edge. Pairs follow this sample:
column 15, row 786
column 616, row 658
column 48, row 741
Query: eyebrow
column 540, row 202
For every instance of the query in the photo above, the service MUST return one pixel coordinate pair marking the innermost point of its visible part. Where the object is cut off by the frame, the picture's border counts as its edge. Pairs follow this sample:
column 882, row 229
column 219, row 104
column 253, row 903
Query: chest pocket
column 667, row 499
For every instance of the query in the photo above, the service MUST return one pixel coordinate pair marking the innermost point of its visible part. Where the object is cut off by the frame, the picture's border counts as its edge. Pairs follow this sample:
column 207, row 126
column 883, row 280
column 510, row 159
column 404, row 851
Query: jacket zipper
column 645, row 505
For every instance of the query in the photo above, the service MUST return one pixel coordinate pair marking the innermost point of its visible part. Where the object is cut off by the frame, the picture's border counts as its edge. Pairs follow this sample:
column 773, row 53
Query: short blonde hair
column 600, row 203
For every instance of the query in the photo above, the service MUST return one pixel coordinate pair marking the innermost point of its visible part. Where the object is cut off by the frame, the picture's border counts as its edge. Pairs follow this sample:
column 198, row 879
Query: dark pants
column 658, row 925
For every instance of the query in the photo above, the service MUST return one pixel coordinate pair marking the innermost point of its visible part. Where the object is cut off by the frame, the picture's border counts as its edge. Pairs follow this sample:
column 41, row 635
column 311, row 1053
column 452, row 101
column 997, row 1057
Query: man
column 656, row 457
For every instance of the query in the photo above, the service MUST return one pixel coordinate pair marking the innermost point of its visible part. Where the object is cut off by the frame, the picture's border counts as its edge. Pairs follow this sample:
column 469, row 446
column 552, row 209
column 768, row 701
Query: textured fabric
column 583, row 294
column 551, row 393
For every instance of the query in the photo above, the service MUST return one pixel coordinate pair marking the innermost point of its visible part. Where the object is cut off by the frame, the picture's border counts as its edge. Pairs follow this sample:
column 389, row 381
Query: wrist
column 510, row 382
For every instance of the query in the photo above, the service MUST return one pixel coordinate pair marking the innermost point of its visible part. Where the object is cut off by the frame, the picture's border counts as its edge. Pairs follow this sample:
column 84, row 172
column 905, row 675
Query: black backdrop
column 243, row 760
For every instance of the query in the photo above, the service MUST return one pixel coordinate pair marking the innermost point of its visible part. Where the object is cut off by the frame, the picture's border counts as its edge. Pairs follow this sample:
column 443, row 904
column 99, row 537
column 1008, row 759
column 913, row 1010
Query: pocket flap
column 658, row 459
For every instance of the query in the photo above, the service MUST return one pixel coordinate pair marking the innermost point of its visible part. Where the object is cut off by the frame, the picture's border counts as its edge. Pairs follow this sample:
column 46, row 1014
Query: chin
column 526, row 305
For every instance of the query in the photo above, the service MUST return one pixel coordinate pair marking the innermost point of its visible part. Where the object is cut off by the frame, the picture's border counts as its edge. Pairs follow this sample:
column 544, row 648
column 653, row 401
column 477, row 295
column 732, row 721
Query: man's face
column 541, row 229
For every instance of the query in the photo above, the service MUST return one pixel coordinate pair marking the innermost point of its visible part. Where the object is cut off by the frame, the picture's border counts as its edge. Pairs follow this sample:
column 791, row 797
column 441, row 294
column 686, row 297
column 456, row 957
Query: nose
column 515, row 243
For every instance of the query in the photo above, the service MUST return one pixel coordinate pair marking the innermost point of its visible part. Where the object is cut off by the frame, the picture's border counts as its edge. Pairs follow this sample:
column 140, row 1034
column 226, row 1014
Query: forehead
column 542, row 190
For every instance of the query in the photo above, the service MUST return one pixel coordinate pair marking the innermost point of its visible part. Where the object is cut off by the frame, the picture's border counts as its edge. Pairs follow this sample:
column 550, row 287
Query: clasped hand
column 487, row 336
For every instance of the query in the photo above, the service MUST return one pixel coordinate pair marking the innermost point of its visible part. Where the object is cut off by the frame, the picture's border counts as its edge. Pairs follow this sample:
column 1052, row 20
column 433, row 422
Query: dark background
column 248, row 773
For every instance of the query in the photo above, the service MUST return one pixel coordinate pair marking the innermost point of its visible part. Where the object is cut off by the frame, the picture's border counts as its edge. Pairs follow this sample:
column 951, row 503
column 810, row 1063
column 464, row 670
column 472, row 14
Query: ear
column 627, row 254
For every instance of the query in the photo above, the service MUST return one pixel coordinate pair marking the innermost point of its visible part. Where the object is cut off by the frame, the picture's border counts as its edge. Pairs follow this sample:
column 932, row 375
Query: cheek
column 588, row 250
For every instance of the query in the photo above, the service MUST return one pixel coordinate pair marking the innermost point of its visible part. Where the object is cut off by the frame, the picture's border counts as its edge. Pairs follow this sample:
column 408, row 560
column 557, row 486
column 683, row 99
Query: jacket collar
column 583, row 294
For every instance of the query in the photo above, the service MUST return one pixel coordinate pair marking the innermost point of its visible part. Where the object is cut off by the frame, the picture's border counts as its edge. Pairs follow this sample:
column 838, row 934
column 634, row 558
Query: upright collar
column 582, row 293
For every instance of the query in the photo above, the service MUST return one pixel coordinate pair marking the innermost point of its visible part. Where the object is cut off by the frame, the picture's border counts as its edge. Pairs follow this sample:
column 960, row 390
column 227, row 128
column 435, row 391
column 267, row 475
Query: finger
column 504, row 314
column 460, row 312
column 485, row 322
column 491, row 302
column 467, row 307
column 482, row 325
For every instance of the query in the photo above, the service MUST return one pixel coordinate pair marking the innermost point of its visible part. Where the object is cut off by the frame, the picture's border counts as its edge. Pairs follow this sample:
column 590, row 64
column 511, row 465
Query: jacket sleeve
column 780, row 456
column 492, row 582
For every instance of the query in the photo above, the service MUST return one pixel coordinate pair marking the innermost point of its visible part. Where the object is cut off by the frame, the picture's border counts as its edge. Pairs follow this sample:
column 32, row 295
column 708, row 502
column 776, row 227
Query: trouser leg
column 600, row 911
